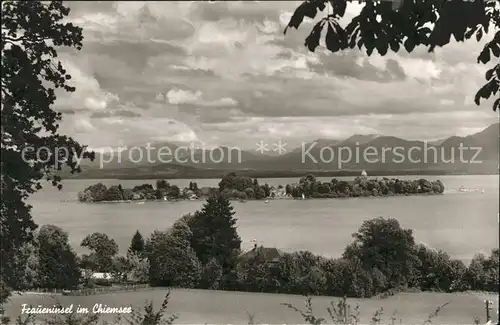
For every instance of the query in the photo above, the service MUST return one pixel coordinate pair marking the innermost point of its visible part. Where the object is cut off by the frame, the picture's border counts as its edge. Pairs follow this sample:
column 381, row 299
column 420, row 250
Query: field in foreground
column 217, row 307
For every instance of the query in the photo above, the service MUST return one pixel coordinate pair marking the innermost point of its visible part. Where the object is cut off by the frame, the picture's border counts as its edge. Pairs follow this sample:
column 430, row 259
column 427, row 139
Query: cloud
column 225, row 72
column 83, row 125
column 179, row 96
column 89, row 96
column 122, row 113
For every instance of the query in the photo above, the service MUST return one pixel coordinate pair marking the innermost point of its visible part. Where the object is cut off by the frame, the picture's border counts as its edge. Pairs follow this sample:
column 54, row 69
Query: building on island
column 364, row 175
column 269, row 254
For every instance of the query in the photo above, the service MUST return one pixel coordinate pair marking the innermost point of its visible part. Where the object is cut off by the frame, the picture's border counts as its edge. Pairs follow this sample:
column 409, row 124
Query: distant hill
column 359, row 139
column 385, row 154
column 173, row 153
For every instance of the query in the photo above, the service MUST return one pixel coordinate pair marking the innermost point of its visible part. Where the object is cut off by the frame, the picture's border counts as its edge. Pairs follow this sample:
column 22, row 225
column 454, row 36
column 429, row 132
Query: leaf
column 495, row 49
column 394, row 44
column 496, row 104
column 469, row 33
column 484, row 56
column 451, row 21
column 339, row 7
column 409, row 45
column 306, row 9
column 485, row 92
column 369, row 50
column 479, row 34
column 382, row 44
column 331, row 39
column 489, row 73
column 336, row 37
column 312, row 41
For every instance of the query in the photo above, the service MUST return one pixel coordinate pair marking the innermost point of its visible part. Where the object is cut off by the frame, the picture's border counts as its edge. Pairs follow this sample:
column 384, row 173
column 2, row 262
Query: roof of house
column 270, row 253
column 100, row 275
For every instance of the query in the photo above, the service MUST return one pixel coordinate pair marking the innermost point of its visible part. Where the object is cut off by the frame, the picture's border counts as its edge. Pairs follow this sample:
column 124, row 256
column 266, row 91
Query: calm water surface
column 458, row 223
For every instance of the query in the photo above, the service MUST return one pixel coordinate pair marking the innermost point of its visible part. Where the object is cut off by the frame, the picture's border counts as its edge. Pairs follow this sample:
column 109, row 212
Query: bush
column 139, row 268
column 211, row 276
column 114, row 194
column 254, row 273
column 102, row 282
column 128, row 194
column 85, row 196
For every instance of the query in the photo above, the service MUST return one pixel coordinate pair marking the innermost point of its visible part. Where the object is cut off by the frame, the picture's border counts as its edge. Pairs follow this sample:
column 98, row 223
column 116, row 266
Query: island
column 238, row 187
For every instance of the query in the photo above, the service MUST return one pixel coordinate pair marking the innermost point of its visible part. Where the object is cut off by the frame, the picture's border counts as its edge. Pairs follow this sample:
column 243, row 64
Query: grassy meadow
column 216, row 307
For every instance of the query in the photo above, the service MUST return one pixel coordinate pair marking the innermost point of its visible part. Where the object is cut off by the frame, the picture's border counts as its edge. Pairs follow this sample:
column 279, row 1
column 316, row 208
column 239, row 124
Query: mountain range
column 377, row 153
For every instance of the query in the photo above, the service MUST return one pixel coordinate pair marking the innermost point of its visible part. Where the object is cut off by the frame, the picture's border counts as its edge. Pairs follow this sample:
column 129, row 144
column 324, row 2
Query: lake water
column 459, row 223
column 456, row 222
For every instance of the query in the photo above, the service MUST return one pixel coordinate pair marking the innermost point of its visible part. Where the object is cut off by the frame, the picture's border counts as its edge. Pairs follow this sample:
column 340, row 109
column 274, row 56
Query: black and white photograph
column 250, row 162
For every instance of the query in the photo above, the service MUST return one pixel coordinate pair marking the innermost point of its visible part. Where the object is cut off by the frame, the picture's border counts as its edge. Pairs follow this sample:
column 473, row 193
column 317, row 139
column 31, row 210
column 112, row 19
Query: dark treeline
column 242, row 187
column 203, row 250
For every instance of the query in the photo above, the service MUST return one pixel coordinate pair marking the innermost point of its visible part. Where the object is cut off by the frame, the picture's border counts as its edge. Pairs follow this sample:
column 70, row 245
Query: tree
column 58, row 267
column 28, row 122
column 233, row 182
column 103, row 249
column 211, row 275
column 114, row 193
column 162, row 184
column 382, row 27
column 491, row 267
column 259, row 193
column 382, row 243
column 120, row 268
column 93, row 193
column 214, row 233
column 137, row 244
column 172, row 260
column 193, row 186
column 438, row 271
column 138, row 268
column 482, row 273
column 26, row 265
column 227, row 181
column 174, row 192
column 253, row 272
column 267, row 190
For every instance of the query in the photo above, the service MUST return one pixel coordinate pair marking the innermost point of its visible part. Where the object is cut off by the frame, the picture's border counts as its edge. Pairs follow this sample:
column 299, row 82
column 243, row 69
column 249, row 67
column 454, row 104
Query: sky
column 224, row 73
